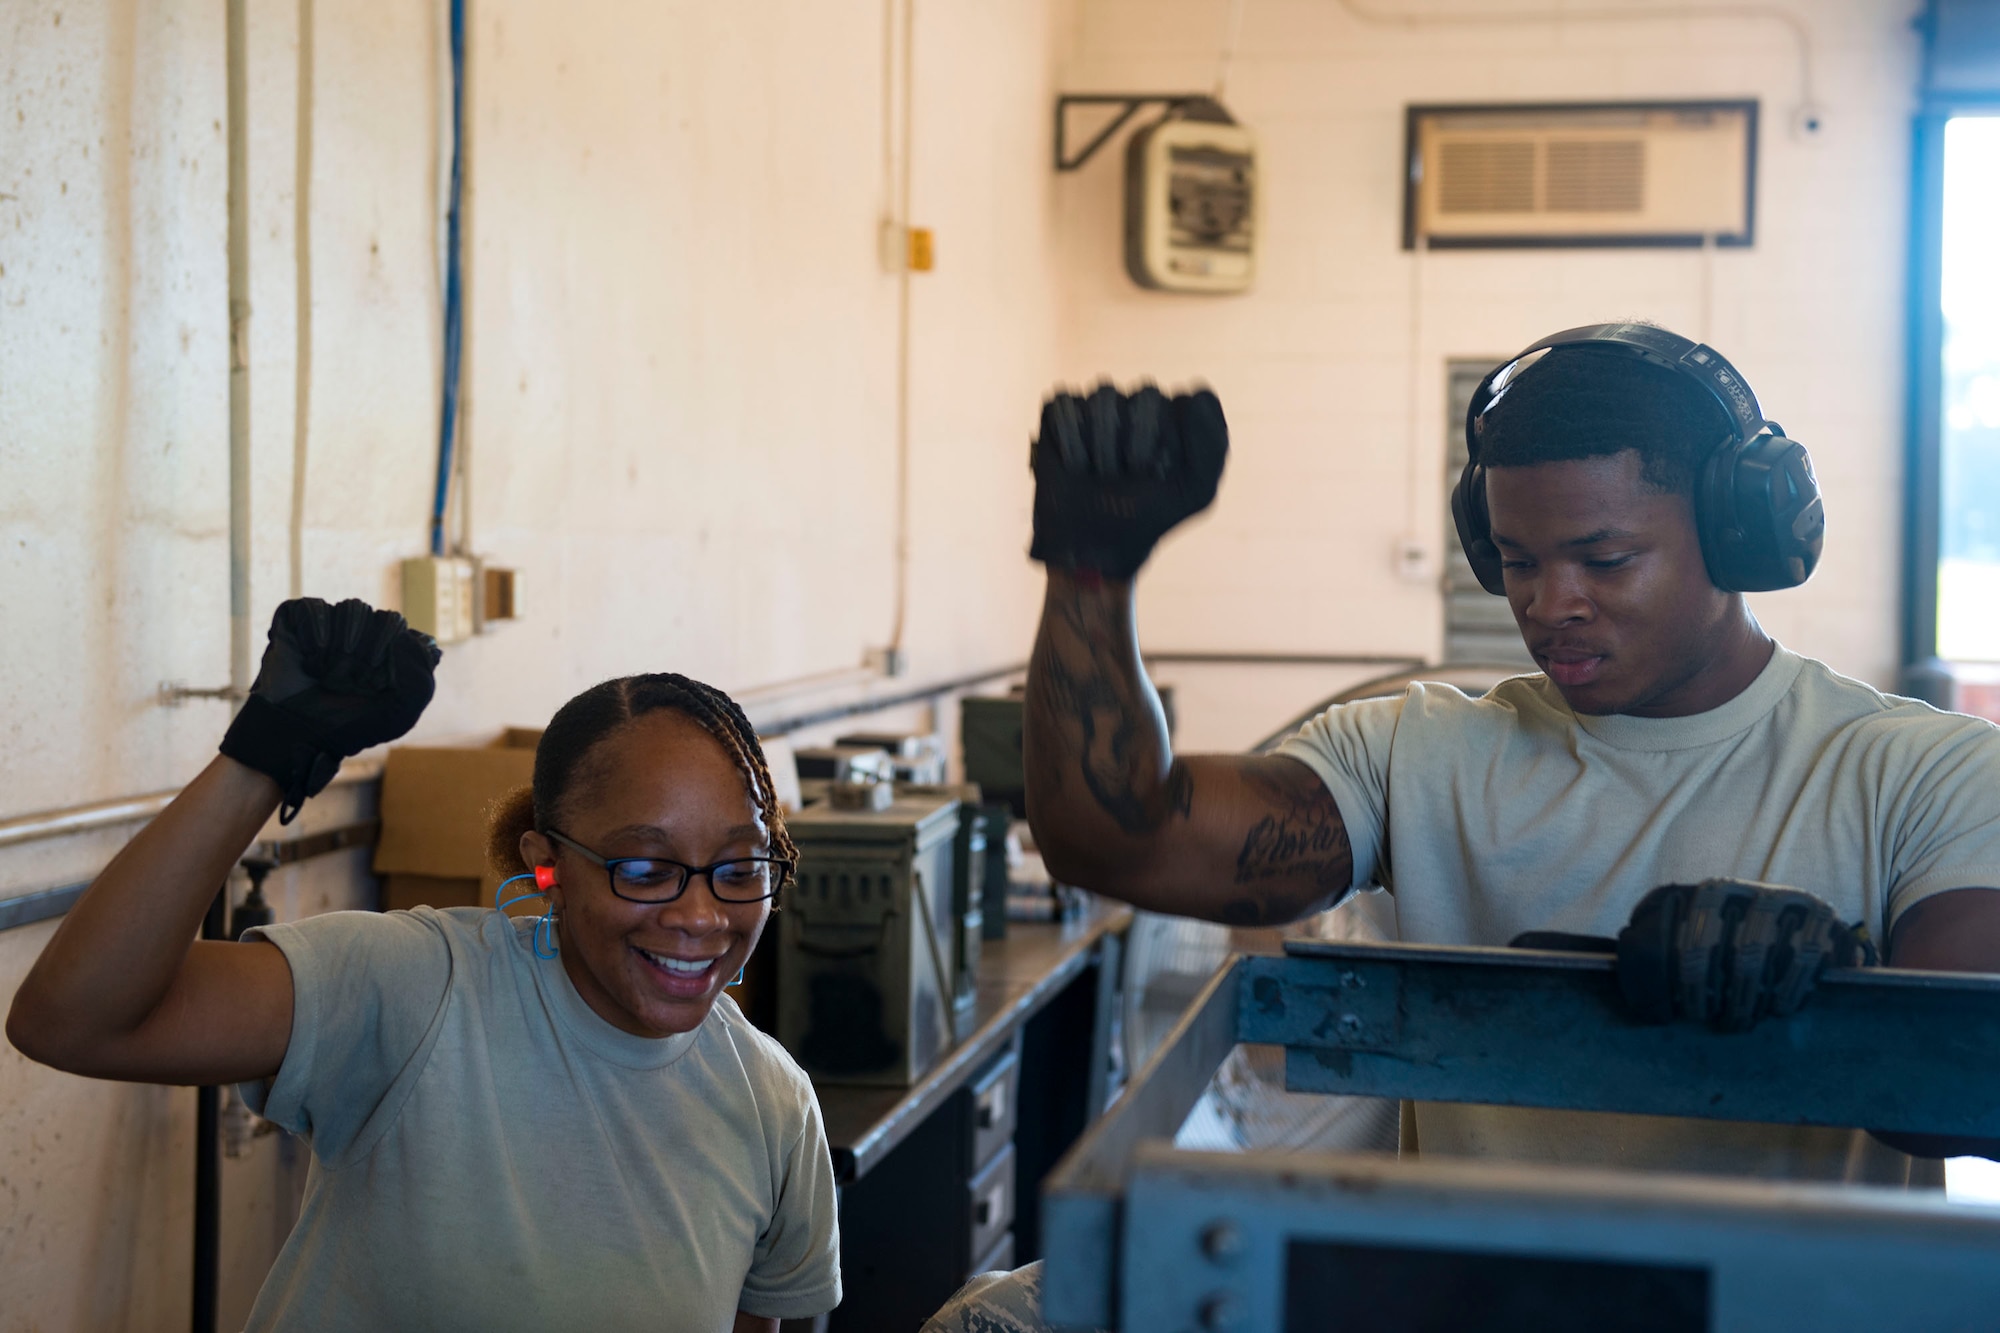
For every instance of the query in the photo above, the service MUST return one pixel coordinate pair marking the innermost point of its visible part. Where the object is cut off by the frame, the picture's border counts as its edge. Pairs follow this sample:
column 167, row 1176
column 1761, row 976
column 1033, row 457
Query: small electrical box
column 453, row 597
column 1190, row 202
column 438, row 593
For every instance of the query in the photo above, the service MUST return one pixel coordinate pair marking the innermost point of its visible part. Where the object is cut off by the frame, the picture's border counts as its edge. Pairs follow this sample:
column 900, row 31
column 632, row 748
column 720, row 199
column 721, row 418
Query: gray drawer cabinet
column 940, row 1180
column 989, row 1198
column 989, row 1163
column 994, row 1105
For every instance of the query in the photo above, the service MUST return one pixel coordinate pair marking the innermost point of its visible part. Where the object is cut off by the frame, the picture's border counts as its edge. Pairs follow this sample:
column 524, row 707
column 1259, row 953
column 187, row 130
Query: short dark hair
column 1593, row 402
column 580, row 724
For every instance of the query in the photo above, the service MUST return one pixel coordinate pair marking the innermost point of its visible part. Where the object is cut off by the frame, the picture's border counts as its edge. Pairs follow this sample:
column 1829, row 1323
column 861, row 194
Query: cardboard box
column 402, row 892
column 436, row 801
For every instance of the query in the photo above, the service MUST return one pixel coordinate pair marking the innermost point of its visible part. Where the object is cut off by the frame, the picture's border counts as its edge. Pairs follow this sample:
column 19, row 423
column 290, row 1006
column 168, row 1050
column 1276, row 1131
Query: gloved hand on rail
column 1115, row 471
column 335, row 680
column 1726, row 952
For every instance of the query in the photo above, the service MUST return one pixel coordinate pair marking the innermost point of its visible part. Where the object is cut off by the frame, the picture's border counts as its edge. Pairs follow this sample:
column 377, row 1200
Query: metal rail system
column 1141, row 1236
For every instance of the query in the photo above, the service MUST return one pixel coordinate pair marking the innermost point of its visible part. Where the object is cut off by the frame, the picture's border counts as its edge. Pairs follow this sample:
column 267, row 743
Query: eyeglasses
column 653, row 879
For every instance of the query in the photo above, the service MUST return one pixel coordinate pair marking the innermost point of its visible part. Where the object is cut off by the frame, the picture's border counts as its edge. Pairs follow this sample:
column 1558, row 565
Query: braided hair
column 579, row 725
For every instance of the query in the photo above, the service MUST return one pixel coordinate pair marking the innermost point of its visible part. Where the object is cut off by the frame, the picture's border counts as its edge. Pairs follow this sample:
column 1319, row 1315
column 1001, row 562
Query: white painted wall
column 682, row 401
column 682, row 345
column 1332, row 370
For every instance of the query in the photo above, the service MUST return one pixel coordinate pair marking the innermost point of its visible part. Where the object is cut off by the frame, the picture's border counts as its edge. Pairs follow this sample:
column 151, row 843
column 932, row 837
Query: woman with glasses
column 556, row 1122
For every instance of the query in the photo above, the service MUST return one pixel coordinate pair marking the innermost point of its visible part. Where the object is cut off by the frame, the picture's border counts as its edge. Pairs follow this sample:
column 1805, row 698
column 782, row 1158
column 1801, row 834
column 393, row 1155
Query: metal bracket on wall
column 1129, row 104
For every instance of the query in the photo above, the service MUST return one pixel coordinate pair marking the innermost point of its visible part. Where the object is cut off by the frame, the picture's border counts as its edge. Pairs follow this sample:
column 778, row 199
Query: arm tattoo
column 1094, row 719
column 1296, row 857
column 1094, row 697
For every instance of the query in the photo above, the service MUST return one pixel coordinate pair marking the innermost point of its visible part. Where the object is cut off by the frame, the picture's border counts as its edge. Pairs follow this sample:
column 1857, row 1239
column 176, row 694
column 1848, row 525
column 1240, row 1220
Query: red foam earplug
column 545, row 878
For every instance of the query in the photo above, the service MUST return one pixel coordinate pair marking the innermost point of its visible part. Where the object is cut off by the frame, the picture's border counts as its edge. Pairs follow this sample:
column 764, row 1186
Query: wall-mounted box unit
column 1191, row 203
column 1592, row 174
column 438, row 593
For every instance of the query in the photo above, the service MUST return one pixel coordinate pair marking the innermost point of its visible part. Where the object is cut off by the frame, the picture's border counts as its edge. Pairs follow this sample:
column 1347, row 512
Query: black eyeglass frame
column 611, row 863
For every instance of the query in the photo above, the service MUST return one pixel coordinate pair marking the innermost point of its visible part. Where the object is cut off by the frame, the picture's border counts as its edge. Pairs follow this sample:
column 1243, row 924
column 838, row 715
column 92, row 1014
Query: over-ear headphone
column 1756, row 502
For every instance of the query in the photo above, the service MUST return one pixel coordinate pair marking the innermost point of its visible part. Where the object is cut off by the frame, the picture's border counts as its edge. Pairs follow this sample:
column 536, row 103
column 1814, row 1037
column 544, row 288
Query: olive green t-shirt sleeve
column 1946, row 799
column 1347, row 746
column 796, row 1270
column 367, row 988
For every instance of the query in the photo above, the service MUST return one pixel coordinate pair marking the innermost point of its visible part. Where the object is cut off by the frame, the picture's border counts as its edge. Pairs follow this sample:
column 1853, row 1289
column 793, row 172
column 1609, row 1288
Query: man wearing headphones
column 1739, row 816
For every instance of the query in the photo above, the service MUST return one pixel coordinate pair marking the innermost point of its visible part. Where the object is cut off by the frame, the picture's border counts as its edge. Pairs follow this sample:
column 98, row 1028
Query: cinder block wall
column 681, row 407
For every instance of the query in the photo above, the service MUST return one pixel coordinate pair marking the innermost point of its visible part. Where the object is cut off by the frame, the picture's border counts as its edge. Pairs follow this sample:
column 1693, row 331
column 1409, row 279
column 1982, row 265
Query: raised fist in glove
column 1726, row 952
column 1114, row 471
column 335, row 680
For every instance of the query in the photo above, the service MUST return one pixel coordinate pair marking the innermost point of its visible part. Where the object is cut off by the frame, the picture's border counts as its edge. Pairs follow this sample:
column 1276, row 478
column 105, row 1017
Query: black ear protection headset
column 1756, row 502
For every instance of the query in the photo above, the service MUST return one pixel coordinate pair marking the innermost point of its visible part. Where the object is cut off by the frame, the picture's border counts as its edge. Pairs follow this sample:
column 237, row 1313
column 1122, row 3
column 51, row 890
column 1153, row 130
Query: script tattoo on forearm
column 1092, row 695
column 1296, row 858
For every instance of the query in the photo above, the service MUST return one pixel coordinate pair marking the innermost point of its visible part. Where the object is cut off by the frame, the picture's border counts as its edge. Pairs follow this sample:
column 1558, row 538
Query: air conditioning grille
column 1596, row 176
column 1623, row 173
column 1486, row 176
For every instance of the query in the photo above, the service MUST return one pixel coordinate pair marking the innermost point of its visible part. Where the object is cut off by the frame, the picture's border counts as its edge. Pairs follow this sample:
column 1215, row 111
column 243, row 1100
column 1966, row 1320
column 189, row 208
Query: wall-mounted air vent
column 1486, row 176
column 1627, row 174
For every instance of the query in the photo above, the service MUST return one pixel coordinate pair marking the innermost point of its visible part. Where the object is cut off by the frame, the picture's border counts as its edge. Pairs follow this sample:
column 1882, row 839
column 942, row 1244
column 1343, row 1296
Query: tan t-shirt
column 490, row 1154
column 1509, row 813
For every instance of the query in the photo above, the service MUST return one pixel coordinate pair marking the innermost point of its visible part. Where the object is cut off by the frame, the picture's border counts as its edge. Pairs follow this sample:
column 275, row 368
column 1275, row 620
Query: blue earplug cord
column 544, row 924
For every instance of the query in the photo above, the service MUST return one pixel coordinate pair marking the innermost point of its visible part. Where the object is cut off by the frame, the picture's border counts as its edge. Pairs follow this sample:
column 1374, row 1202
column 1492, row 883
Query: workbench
column 939, row 1180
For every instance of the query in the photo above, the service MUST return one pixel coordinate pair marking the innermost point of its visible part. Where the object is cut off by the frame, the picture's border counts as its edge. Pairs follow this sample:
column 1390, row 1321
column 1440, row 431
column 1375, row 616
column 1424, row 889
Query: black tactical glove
column 1727, row 951
column 1115, row 471
column 335, row 680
